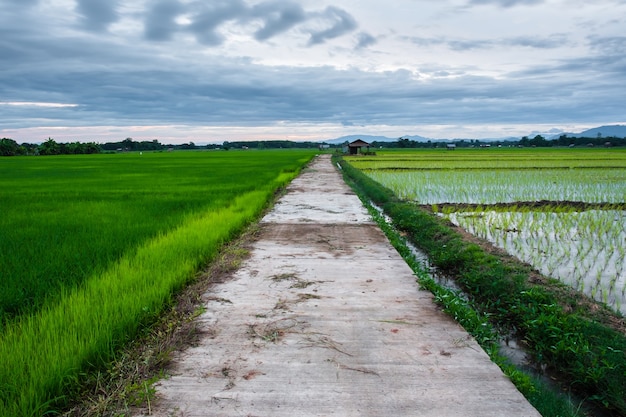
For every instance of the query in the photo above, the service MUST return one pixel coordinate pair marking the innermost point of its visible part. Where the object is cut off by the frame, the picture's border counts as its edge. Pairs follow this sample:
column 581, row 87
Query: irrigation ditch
column 570, row 340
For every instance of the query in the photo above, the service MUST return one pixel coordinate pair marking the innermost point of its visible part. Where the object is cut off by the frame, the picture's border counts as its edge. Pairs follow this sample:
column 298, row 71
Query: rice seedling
column 496, row 176
column 503, row 186
column 590, row 260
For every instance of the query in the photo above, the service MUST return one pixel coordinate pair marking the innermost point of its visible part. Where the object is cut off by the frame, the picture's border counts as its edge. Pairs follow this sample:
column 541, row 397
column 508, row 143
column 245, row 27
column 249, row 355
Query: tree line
column 537, row 141
column 269, row 144
column 9, row 147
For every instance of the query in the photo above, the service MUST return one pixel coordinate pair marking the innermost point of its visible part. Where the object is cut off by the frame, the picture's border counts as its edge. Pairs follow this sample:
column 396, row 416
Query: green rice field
column 576, row 234
column 94, row 246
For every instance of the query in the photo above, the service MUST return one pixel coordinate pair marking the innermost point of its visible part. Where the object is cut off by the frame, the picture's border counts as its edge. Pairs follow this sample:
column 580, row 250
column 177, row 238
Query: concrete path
column 326, row 319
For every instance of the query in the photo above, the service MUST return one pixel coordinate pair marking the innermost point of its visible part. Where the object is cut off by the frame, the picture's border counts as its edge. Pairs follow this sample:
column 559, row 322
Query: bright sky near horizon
column 210, row 71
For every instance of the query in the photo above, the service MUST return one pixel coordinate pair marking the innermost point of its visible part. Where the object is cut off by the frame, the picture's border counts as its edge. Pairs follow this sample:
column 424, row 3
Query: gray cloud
column 17, row 18
column 160, row 24
column 550, row 42
column 278, row 17
column 253, row 94
column 210, row 15
column 97, row 15
column 469, row 44
column 341, row 22
column 507, row 3
column 536, row 42
column 124, row 82
column 613, row 45
column 365, row 40
column 23, row 3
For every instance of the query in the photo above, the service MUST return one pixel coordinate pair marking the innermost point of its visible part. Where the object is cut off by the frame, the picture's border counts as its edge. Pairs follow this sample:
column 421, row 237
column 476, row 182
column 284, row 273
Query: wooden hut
column 357, row 147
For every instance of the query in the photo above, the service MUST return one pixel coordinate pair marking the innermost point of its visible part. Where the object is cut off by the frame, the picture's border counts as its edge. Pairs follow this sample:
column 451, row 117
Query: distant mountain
column 618, row 131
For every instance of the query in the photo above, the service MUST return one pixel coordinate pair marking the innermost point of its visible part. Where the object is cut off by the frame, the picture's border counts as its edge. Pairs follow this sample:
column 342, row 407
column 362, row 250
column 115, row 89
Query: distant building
column 451, row 146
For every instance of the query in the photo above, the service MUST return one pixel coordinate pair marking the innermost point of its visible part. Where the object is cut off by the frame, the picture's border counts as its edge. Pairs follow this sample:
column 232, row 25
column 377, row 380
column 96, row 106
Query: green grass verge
column 591, row 356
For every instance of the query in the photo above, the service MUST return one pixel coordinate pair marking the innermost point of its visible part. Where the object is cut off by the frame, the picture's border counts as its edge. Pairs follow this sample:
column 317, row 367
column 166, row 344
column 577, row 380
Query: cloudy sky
column 216, row 70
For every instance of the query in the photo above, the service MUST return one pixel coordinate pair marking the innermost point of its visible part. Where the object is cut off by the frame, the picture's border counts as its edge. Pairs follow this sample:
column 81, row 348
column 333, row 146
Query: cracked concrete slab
column 326, row 319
